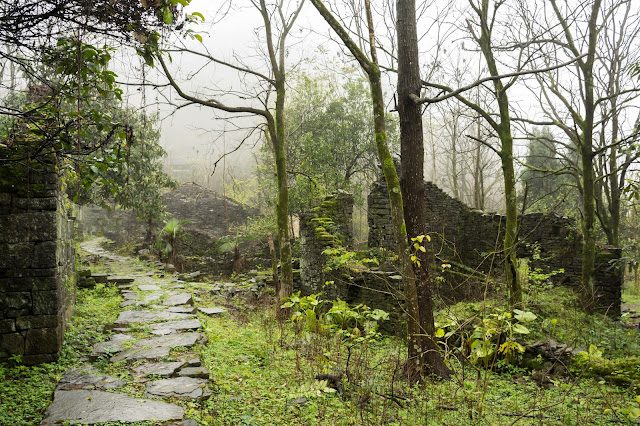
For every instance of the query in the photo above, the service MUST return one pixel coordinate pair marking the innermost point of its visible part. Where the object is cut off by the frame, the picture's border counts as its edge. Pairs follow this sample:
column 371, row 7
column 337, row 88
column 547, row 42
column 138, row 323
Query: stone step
column 93, row 406
column 179, row 387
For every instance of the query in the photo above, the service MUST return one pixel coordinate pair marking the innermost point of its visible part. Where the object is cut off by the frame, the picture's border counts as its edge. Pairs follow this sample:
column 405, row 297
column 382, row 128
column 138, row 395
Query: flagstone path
column 158, row 316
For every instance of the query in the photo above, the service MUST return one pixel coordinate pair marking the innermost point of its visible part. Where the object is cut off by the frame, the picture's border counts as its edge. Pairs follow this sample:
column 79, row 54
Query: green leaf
column 523, row 316
column 198, row 37
column 198, row 14
column 167, row 16
column 521, row 329
column 439, row 333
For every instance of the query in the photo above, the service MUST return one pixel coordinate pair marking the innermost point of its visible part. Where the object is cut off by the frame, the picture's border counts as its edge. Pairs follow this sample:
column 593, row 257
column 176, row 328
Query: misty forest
column 310, row 212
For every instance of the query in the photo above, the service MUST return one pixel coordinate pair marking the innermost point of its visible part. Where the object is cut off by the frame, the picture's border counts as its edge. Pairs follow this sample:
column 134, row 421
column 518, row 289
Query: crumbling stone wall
column 37, row 265
column 329, row 224
column 472, row 240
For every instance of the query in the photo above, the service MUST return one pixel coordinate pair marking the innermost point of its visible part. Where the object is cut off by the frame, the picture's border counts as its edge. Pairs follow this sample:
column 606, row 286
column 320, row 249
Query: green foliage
column 357, row 323
column 108, row 152
column 137, row 181
column 491, row 338
column 330, row 143
column 166, row 242
column 621, row 371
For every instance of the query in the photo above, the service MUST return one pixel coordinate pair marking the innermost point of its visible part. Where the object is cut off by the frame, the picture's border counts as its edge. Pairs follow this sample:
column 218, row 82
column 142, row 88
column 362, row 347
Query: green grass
column 259, row 367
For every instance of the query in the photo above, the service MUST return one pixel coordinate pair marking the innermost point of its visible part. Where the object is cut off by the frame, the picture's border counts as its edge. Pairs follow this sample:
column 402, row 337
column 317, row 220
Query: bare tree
column 481, row 26
column 415, row 331
column 278, row 19
column 586, row 101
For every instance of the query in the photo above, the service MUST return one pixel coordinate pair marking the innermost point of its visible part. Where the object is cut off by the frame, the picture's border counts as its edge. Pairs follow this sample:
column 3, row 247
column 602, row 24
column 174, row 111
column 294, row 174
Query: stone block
column 44, row 255
column 40, row 358
column 16, row 256
column 28, row 226
column 43, row 341
column 27, row 284
column 27, row 273
column 15, row 313
column 12, row 343
column 36, row 204
column 7, row 326
column 37, row 321
column 45, row 302
column 15, row 301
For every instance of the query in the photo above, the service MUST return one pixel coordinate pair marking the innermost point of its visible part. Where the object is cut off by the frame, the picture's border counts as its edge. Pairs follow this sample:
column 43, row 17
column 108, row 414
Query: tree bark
column 371, row 68
column 412, row 183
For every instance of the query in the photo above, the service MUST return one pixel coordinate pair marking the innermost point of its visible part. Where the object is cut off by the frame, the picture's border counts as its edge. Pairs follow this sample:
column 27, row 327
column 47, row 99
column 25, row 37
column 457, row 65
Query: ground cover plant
column 326, row 363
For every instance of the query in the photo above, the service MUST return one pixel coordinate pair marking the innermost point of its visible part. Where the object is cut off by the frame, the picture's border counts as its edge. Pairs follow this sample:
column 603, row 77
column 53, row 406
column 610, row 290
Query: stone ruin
column 469, row 242
column 37, row 266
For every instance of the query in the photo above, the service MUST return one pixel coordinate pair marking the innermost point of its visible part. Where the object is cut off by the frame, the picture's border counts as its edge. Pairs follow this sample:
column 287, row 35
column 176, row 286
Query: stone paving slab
column 111, row 346
column 182, row 309
column 157, row 347
column 212, row 311
column 150, row 298
column 127, row 317
column 169, row 327
column 196, row 372
column 148, row 287
column 119, row 279
column 162, row 369
column 179, row 387
column 83, row 378
column 179, row 299
column 142, row 354
column 90, row 407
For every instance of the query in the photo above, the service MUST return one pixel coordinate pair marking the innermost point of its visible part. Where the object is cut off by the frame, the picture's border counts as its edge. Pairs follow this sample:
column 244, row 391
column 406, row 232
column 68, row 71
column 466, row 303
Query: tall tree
column 481, row 28
column 412, row 182
column 576, row 115
column 371, row 67
column 278, row 19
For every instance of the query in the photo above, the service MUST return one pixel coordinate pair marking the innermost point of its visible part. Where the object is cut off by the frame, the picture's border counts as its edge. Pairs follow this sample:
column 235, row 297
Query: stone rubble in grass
column 212, row 311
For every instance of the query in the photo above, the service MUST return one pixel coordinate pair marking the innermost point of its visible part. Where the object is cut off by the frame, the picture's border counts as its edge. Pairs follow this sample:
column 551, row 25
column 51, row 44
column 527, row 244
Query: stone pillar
column 608, row 280
column 37, row 262
column 329, row 224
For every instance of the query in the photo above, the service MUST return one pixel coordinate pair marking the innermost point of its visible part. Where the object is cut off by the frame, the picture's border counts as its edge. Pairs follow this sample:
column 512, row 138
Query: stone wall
column 471, row 241
column 37, row 266
column 329, row 224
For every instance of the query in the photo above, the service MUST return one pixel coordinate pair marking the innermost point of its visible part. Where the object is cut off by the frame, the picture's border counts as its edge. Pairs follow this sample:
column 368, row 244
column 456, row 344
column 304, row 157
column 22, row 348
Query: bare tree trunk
column 370, row 66
column 412, row 153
